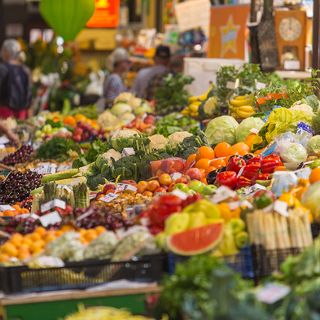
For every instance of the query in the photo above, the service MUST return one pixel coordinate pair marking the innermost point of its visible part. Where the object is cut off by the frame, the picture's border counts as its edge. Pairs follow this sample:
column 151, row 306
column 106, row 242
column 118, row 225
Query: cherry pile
column 22, row 155
column 99, row 216
column 21, row 225
column 17, row 186
column 85, row 132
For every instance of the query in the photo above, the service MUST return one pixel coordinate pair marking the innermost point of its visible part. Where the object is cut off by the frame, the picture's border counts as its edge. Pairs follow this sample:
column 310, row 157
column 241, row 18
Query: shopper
column 15, row 82
column 10, row 134
column 114, row 84
column 160, row 68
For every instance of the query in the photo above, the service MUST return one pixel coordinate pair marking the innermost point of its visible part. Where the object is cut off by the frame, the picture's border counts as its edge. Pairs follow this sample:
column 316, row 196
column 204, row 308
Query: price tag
column 109, row 197
column 223, row 193
column 128, row 152
column 29, row 215
column 251, row 190
column 63, row 167
column 281, row 207
column 4, row 140
column 260, row 85
column 291, row 65
column 272, row 292
column 46, row 168
column 2, row 146
column 50, row 218
column 5, row 207
column 124, row 186
column 231, row 85
column 56, row 203
column 182, row 195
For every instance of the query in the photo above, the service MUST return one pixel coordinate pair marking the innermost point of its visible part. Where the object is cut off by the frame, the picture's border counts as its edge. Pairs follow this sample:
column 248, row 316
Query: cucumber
column 67, row 174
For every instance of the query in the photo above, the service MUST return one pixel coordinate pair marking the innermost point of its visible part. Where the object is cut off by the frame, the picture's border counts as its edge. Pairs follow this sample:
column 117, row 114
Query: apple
column 194, row 173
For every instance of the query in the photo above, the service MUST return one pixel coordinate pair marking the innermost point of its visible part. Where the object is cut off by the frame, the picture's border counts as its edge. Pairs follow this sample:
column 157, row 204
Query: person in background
column 10, row 134
column 15, row 82
column 114, row 84
column 144, row 76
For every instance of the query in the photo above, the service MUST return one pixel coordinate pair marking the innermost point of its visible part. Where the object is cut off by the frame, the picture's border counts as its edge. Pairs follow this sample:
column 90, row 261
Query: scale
column 291, row 28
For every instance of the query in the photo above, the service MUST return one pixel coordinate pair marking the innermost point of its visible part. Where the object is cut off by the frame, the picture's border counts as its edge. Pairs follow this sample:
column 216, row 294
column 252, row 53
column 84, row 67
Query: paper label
column 223, row 193
column 46, row 168
column 251, row 190
column 231, row 85
column 281, row 207
column 50, row 218
column 29, row 215
column 260, row 85
column 56, row 203
column 272, row 292
column 4, row 140
column 2, row 146
column 124, row 186
column 182, row 195
column 63, row 167
column 292, row 65
column 128, row 152
column 109, row 197
column 5, row 207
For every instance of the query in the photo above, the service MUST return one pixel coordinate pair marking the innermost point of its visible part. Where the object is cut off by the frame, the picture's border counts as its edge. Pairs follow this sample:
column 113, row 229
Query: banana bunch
column 242, row 106
column 192, row 109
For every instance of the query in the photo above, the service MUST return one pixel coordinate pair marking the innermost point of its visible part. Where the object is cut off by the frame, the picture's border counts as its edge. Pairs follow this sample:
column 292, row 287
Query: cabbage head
column 294, row 153
column 243, row 130
column 222, row 129
column 120, row 108
column 313, row 146
column 310, row 199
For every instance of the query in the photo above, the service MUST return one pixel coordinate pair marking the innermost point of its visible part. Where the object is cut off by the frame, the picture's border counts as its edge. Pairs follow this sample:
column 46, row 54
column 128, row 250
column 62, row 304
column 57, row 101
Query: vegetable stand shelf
column 57, row 305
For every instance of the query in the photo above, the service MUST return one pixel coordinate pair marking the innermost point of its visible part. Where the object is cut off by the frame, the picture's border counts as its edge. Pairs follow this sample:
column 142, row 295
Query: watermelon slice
column 197, row 240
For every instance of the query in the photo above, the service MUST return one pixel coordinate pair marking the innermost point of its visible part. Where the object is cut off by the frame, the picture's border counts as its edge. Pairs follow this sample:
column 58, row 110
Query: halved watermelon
column 197, row 240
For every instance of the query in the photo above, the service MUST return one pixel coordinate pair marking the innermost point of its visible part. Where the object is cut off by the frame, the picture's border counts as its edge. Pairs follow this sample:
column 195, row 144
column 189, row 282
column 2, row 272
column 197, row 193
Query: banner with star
column 228, row 29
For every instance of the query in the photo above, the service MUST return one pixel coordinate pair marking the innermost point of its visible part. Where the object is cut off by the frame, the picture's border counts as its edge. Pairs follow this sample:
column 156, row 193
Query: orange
column 90, row 235
column 16, row 239
column 70, row 121
column 203, row 164
column 40, row 230
column 26, row 241
column 222, row 149
column 37, row 246
column 9, row 249
column 23, row 255
column 35, row 236
column 205, row 152
column 49, row 238
column 218, row 162
column 4, row 257
column 191, row 159
column 67, row 228
column 239, row 148
column 100, row 229
column 211, row 168
column 315, row 175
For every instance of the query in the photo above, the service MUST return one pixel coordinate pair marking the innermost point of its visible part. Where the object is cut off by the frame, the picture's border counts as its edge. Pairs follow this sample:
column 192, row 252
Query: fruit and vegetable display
column 224, row 185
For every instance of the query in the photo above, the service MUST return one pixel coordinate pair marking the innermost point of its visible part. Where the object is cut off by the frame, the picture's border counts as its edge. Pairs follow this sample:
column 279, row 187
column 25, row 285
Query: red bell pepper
column 227, row 178
column 269, row 163
column 235, row 164
column 263, row 176
column 243, row 182
column 254, row 159
column 251, row 170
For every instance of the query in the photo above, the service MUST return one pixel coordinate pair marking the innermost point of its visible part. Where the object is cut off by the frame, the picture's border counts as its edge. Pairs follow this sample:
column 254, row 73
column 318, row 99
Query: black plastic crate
column 81, row 275
column 241, row 262
column 266, row 262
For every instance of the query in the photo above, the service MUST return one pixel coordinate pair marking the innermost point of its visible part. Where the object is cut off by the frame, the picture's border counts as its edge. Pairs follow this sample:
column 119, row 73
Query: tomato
column 205, row 152
column 165, row 179
column 153, row 185
column 142, row 186
column 222, row 149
